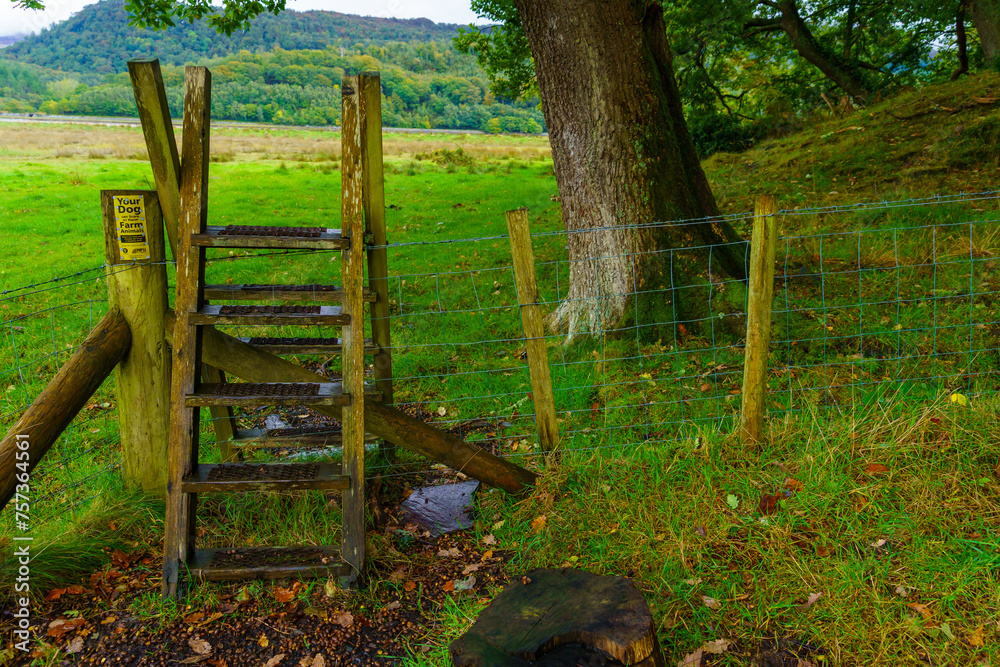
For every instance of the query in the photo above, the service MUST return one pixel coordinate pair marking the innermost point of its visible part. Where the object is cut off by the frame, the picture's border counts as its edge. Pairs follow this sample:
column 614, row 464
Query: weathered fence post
column 534, row 331
column 758, row 339
column 373, row 200
column 137, row 286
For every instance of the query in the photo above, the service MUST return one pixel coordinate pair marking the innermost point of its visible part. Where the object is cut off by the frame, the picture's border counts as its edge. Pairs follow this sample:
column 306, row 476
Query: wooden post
column 373, row 191
column 183, row 455
column 137, row 286
column 63, row 397
column 353, row 349
column 534, row 330
column 158, row 130
column 758, row 340
column 255, row 365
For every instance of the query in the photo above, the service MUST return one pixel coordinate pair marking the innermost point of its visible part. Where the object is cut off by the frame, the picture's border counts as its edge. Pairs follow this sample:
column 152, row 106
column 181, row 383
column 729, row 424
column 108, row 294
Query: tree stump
column 562, row 618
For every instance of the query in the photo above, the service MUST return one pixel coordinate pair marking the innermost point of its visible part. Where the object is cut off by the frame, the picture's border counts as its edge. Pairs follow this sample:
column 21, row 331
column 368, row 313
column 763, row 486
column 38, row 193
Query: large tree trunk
column 986, row 17
column 622, row 154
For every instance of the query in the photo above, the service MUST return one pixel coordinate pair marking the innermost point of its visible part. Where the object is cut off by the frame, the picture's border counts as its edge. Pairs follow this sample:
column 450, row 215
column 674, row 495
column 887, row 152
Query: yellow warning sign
column 130, row 219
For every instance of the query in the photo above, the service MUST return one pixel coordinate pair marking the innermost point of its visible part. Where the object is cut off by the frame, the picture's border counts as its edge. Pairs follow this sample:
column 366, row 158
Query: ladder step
column 333, row 293
column 258, row 236
column 330, row 315
column 264, row 477
column 304, row 345
column 268, row 563
column 291, row 437
column 274, row 393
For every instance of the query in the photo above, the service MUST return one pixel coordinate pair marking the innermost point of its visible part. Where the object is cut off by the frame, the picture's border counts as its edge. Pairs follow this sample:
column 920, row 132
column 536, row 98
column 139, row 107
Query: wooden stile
column 138, row 289
column 758, row 339
column 534, row 329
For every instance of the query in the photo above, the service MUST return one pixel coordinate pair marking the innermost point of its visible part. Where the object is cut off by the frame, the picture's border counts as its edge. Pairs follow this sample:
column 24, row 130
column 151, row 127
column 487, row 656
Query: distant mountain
column 7, row 40
column 98, row 40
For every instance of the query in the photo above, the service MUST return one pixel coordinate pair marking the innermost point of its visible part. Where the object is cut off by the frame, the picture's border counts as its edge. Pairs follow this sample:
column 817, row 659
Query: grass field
column 866, row 531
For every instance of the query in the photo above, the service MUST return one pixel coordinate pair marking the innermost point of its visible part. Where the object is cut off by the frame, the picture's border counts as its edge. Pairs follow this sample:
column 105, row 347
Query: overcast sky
column 14, row 20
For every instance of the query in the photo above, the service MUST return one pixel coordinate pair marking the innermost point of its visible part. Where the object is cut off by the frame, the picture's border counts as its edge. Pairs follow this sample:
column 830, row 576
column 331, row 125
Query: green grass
column 865, row 359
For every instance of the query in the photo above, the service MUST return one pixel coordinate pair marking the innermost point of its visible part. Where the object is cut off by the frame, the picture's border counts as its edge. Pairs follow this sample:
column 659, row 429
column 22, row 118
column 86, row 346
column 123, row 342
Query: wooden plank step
column 304, row 345
column 331, row 293
column 273, row 393
column 231, row 477
column 267, row 563
column 273, row 236
column 291, row 437
column 270, row 315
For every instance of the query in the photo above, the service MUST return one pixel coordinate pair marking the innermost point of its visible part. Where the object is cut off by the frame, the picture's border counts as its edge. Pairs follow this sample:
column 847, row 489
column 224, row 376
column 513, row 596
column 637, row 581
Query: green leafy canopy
column 501, row 49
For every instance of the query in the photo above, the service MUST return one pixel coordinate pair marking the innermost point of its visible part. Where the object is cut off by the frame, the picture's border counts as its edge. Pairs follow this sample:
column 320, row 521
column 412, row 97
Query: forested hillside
column 286, row 69
column 99, row 40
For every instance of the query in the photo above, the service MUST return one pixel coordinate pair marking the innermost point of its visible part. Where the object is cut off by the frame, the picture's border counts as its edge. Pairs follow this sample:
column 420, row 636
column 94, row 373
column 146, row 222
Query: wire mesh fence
column 878, row 307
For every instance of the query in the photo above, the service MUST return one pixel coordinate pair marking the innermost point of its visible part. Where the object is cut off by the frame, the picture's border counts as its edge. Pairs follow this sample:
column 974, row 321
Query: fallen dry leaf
column 191, row 619
column 793, row 484
column 921, row 609
column 409, row 586
column 489, row 540
column 200, row 646
column 692, row 659
column 976, row 638
column 61, row 626
column 395, row 604
column 538, row 523
column 449, row 586
column 876, row 469
column 275, row 660
column 465, row 584
column 109, row 619
column 263, row 642
column 488, row 555
column 283, row 595
column 471, row 568
column 717, row 646
column 810, row 602
column 76, row 645
column 822, row 550
column 711, row 603
column 342, row 618
column 705, row 387
column 693, row 582
column 78, row 590
column 54, row 594
column 769, row 503
column 449, row 553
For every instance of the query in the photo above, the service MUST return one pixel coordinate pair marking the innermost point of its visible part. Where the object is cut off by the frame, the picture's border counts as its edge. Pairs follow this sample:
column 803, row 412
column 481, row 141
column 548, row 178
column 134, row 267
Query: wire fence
column 878, row 308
